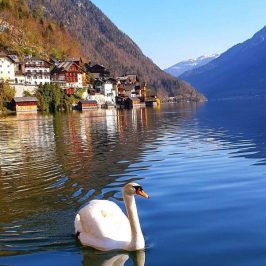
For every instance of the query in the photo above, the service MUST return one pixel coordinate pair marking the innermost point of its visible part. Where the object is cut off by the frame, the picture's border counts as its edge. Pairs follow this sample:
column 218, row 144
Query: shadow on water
column 95, row 258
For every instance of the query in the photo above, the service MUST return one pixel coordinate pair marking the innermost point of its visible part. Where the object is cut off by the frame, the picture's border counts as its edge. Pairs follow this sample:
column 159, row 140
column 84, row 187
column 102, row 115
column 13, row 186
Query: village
column 99, row 88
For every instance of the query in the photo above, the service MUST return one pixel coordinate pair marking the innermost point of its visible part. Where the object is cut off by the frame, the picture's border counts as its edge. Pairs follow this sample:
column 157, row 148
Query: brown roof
column 87, row 101
column 4, row 54
column 25, row 99
column 64, row 66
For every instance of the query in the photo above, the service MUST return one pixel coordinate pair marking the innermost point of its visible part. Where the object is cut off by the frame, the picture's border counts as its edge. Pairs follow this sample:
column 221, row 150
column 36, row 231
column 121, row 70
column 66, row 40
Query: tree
column 52, row 99
column 6, row 4
column 27, row 94
column 7, row 93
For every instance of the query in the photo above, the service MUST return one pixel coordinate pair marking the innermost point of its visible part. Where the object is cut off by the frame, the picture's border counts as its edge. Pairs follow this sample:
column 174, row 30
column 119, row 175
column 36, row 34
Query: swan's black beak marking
column 141, row 192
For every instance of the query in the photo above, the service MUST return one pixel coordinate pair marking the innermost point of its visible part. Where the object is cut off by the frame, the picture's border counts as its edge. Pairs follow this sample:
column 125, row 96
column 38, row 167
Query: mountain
column 181, row 67
column 25, row 32
column 104, row 43
column 239, row 72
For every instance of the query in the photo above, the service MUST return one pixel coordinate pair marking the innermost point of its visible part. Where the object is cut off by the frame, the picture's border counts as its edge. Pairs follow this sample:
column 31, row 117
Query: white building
column 79, row 84
column 107, row 89
column 37, row 71
column 7, row 68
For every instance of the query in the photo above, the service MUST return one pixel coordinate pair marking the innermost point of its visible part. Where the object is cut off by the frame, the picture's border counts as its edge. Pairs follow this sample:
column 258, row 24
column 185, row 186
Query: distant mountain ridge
column 183, row 66
column 105, row 44
column 239, row 72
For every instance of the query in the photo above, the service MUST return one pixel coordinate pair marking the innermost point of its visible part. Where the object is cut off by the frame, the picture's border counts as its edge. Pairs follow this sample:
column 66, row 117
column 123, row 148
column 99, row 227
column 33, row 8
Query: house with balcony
column 37, row 71
column 68, row 75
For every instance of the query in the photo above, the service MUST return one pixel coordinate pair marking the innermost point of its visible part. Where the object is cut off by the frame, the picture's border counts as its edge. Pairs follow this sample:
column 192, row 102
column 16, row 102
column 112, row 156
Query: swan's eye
column 138, row 188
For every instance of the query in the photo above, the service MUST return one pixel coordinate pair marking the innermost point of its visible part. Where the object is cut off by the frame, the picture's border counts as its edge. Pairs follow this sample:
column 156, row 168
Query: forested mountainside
column 23, row 31
column 239, row 72
column 102, row 42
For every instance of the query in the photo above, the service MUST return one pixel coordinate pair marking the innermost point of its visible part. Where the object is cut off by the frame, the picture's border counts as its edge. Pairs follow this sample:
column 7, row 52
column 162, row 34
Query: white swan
column 102, row 224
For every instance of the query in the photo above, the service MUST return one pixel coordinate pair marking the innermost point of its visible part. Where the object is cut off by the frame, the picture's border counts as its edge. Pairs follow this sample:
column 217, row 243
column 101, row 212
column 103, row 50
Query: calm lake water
column 204, row 167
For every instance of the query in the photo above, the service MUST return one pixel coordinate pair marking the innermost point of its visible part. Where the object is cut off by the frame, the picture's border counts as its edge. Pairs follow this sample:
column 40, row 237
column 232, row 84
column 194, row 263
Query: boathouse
column 87, row 104
column 24, row 104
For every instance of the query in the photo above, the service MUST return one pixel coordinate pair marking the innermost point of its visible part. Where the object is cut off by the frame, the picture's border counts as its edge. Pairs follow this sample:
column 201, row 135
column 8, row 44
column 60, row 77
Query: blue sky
column 170, row 31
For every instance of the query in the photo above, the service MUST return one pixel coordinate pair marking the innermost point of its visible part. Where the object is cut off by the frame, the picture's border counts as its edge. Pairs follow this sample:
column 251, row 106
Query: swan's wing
column 103, row 219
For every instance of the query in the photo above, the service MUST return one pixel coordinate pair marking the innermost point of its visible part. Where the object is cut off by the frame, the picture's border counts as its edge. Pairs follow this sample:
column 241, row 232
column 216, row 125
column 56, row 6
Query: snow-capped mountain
column 238, row 72
column 181, row 67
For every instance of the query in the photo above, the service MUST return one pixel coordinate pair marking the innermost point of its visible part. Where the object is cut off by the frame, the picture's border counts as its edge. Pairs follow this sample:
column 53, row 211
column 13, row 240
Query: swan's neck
column 137, row 239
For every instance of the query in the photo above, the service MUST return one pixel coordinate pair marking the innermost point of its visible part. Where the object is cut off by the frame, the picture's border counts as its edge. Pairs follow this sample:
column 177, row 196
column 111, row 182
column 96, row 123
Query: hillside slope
column 25, row 32
column 239, row 72
column 104, row 43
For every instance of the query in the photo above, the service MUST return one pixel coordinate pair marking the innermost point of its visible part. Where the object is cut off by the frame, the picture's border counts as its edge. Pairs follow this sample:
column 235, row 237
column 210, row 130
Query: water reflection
column 194, row 165
column 51, row 165
column 94, row 258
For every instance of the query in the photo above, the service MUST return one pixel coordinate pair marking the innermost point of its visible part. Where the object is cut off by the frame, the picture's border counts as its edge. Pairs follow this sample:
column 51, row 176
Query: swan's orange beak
column 142, row 193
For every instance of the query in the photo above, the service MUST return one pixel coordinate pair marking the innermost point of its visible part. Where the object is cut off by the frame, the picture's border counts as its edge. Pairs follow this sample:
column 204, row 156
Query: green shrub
column 7, row 93
column 52, row 99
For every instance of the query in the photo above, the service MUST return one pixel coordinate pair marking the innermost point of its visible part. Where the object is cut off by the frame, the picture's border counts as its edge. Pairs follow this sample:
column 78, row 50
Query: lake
column 204, row 167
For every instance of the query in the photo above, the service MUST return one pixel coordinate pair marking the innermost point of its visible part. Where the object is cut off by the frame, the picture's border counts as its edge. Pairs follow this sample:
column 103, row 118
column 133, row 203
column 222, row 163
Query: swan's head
column 135, row 189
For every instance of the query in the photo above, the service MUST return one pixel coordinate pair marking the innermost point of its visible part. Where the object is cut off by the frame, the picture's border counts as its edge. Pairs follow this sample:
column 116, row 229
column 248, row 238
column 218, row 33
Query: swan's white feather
column 103, row 225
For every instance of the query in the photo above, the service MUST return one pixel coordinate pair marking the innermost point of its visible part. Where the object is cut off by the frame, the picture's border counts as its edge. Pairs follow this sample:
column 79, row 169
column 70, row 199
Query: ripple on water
column 207, row 186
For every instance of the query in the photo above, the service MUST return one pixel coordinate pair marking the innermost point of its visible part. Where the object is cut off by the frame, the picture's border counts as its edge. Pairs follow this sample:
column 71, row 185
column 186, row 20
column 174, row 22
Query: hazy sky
column 170, row 31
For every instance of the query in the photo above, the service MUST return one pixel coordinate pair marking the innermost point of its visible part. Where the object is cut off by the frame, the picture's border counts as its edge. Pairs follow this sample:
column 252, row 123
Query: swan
column 103, row 225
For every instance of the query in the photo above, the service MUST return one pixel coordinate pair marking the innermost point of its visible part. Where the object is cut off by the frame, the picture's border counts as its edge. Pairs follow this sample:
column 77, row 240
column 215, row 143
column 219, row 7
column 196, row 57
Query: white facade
column 107, row 89
column 22, row 88
column 7, row 69
column 19, row 79
column 80, row 84
column 37, row 72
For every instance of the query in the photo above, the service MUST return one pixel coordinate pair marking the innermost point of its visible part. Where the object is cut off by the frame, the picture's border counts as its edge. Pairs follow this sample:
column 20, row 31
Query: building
column 87, row 104
column 97, row 71
column 68, row 75
column 19, row 70
column 37, row 71
column 24, row 104
column 7, row 68
column 128, row 86
column 77, row 60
